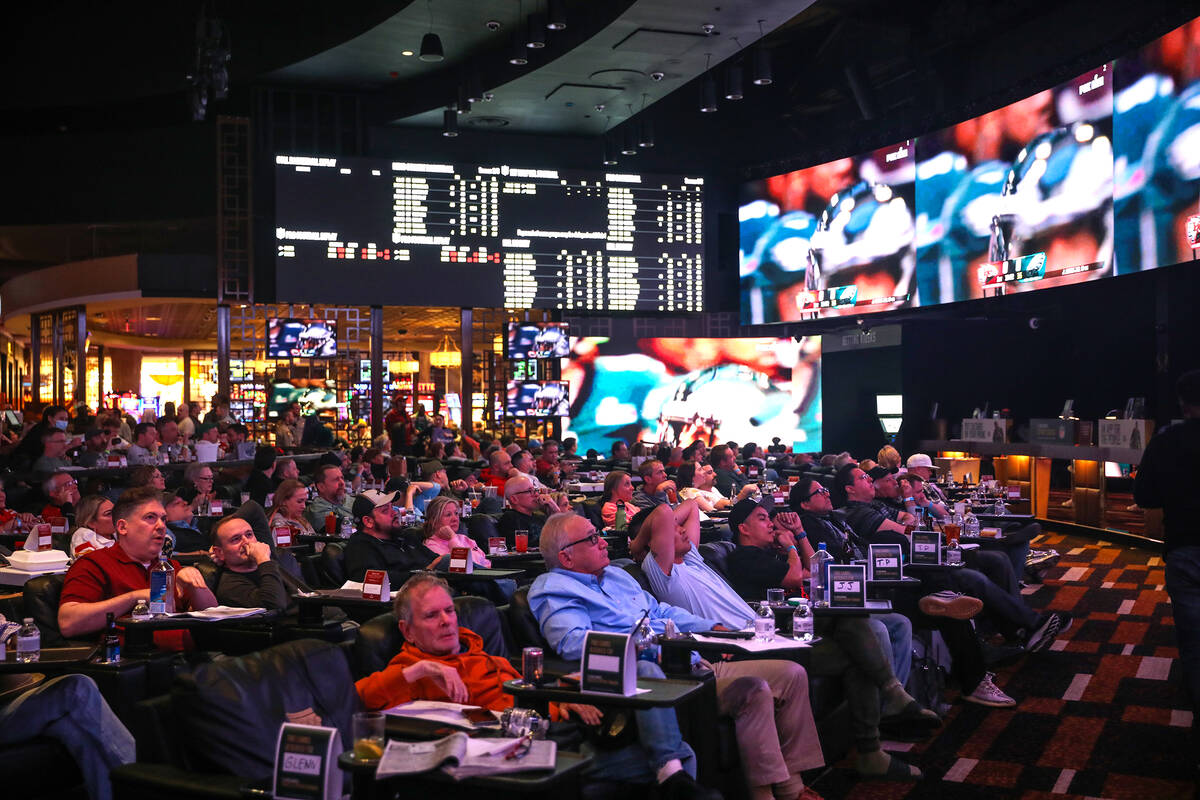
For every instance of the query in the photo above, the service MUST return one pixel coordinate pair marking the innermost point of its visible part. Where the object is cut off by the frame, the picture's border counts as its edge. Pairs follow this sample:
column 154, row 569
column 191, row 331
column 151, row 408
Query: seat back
column 523, row 624
column 379, row 639
column 229, row 711
column 716, row 554
column 331, row 568
column 591, row 510
column 208, row 570
column 481, row 527
column 41, row 596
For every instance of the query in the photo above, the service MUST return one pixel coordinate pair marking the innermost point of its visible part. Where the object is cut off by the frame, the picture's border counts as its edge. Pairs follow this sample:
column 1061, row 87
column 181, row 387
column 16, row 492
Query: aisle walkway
column 1099, row 714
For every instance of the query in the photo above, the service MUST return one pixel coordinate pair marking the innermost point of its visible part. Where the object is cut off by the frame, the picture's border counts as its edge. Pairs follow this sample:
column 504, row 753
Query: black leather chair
column 715, row 555
column 481, row 527
column 591, row 510
column 527, row 633
column 41, row 595
column 214, row 734
column 379, row 639
column 331, row 566
column 42, row 770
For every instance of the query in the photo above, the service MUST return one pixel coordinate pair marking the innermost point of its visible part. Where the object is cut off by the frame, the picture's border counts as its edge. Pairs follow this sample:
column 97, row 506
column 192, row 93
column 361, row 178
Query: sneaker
column 950, row 604
column 1048, row 629
column 989, row 694
column 1041, row 559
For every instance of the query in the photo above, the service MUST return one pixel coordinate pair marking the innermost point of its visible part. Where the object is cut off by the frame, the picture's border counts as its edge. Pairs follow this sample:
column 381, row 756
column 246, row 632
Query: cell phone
column 570, row 679
column 730, row 634
column 479, row 716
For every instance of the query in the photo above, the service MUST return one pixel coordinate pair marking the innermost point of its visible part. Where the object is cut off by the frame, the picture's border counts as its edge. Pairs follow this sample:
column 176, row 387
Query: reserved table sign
column 884, row 562
column 306, row 763
column 283, row 536
column 376, row 586
column 847, row 586
column 926, row 547
column 609, row 665
column 460, row 560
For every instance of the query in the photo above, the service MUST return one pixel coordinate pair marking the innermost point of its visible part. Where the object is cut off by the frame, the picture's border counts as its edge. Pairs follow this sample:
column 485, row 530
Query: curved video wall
column 1098, row 176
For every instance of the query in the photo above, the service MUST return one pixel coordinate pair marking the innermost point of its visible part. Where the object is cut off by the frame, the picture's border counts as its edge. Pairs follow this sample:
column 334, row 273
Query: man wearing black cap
column 377, row 545
column 94, row 452
column 767, row 556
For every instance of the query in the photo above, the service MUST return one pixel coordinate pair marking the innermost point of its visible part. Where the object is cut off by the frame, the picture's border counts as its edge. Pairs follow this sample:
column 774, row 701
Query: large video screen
column 538, row 399
column 538, row 340
column 680, row 390
column 301, row 338
column 371, row 230
column 1092, row 178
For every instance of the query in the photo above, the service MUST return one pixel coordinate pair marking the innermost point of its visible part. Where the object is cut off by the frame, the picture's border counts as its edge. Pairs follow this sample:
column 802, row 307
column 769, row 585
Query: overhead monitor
column 538, row 340
column 412, row 232
column 301, row 338
column 676, row 391
column 538, row 399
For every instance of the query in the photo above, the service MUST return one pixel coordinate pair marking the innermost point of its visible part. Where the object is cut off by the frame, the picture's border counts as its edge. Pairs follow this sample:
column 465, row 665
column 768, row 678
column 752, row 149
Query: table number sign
column 609, row 665
column 283, row 536
column 306, row 763
column 885, row 562
column 460, row 560
column 376, row 586
column 926, row 547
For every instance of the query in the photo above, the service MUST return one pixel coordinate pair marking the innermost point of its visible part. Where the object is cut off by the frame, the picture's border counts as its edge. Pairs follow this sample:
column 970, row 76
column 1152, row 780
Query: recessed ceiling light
column 406, row 52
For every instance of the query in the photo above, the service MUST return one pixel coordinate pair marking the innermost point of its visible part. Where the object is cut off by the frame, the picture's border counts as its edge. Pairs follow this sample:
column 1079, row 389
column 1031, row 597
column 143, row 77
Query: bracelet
column 791, row 547
column 909, row 500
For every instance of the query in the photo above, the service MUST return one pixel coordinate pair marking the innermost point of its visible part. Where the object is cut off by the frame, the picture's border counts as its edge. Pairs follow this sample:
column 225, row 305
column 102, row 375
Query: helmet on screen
column 779, row 260
column 1061, row 178
column 313, row 339
column 1137, row 109
column 1172, row 163
column 938, row 177
column 547, row 341
column 864, row 230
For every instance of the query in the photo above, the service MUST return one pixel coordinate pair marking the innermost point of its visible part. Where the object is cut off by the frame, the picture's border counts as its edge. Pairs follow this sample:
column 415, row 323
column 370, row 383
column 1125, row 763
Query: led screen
column 1096, row 177
column 538, row 340
column 538, row 399
column 301, row 338
column 680, row 390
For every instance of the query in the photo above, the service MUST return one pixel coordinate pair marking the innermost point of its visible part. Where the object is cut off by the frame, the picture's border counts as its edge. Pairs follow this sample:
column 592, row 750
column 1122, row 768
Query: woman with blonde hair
column 94, row 528
column 889, row 457
column 291, row 497
column 442, row 521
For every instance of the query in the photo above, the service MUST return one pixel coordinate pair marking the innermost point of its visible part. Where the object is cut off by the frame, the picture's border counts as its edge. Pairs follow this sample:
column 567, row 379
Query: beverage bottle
column 802, row 622
column 347, row 528
column 29, row 642
column 162, row 587
column 647, row 646
column 970, row 526
column 816, row 582
column 621, row 522
column 764, row 624
column 112, row 641
column 953, row 552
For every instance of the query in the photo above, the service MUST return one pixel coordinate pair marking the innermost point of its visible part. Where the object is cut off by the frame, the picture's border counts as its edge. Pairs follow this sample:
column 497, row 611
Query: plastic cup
column 522, row 541
column 774, row 597
column 368, row 735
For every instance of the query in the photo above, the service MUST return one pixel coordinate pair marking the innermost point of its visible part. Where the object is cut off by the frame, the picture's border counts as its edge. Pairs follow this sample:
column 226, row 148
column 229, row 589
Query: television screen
column 829, row 240
column 679, row 390
column 301, row 338
column 538, row 340
column 538, row 399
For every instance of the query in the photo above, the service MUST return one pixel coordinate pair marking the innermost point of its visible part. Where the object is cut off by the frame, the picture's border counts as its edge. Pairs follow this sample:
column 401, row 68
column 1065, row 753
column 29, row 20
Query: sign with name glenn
column 926, row 547
column 609, row 665
column 885, row 562
column 306, row 763
column 847, row 585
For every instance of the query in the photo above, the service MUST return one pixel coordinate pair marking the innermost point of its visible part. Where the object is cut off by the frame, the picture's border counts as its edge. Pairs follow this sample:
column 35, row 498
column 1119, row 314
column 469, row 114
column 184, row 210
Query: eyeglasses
column 67, row 485
column 524, row 491
column 817, row 491
column 865, row 477
column 592, row 538
column 204, row 477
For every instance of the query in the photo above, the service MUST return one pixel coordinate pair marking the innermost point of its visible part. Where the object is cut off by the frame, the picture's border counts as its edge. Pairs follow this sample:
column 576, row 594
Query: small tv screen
column 538, row 399
column 538, row 340
column 301, row 338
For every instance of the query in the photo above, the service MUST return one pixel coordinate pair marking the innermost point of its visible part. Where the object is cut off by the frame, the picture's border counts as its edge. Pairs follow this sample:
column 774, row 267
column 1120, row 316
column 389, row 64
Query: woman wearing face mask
column 94, row 522
column 30, row 448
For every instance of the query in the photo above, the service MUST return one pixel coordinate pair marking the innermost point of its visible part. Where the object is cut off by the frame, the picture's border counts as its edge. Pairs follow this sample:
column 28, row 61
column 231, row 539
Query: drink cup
column 522, row 541
column 368, row 735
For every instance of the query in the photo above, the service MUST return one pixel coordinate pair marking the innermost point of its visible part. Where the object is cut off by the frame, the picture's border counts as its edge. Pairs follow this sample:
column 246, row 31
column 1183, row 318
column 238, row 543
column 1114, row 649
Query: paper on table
column 435, row 710
column 461, row 757
column 753, row 645
column 221, row 612
column 355, row 585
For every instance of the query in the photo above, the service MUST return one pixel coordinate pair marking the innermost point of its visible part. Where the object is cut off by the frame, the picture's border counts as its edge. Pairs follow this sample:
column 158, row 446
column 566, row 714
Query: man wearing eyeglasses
column 54, row 452
column 63, row 493
column 582, row 592
column 528, row 509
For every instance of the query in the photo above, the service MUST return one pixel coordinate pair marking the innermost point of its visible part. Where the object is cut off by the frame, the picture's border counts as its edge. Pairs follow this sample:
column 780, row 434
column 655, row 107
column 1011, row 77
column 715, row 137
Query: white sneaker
column 989, row 694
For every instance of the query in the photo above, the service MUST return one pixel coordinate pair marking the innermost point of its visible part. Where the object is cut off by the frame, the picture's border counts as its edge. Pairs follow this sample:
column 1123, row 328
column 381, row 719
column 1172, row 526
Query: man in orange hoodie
column 441, row 661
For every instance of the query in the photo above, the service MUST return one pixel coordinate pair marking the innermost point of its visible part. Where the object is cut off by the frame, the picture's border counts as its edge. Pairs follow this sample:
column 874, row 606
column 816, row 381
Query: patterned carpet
column 1100, row 714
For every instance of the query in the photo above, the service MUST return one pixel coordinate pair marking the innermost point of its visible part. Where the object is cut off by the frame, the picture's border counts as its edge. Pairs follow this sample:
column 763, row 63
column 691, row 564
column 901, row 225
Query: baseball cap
column 370, row 500
column 428, row 468
column 205, row 428
column 878, row 472
column 744, row 508
column 94, row 432
column 921, row 460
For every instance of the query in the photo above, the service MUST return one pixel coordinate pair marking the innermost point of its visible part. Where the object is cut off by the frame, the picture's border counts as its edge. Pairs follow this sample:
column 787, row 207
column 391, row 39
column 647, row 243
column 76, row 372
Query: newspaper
column 462, row 757
column 221, row 612
column 436, row 711
column 753, row 645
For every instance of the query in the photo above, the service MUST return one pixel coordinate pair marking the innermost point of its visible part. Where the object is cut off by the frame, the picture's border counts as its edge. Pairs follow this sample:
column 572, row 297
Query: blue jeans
column 1002, row 602
column 659, row 741
column 894, row 632
column 70, row 709
column 1183, row 585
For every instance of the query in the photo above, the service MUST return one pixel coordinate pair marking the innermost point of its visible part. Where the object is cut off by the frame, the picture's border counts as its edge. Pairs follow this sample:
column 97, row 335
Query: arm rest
column 154, row 781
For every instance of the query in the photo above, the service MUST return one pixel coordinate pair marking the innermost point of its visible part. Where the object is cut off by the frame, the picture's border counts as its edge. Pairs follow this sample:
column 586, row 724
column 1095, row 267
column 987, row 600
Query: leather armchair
column 41, row 595
column 527, row 633
column 331, row 566
column 715, row 555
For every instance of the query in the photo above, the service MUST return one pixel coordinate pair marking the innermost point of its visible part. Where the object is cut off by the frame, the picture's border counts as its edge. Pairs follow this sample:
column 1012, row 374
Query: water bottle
column 29, row 642
column 764, row 624
column 953, row 553
column 112, row 641
column 621, row 523
column 802, row 622
column 647, row 646
column 970, row 526
column 162, row 587
column 347, row 528
column 816, row 582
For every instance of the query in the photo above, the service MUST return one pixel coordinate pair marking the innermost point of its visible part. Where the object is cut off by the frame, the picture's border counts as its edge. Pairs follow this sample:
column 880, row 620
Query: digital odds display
column 369, row 230
column 676, row 391
column 1096, row 177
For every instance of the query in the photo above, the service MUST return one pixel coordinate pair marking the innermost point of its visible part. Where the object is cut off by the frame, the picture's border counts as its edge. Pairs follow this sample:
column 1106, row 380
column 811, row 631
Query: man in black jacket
column 377, row 543
column 248, row 577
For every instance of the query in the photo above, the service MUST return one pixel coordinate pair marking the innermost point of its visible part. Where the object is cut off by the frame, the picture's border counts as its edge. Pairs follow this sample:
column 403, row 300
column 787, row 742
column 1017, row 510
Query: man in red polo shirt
column 112, row 580
column 499, row 466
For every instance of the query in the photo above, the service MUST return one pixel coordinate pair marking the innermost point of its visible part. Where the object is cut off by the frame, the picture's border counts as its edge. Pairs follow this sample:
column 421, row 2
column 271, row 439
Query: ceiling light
column 762, row 67
column 628, row 142
column 431, row 48
column 535, row 38
column 450, row 122
column 610, row 152
column 733, row 82
column 556, row 16
column 446, row 355
column 464, row 100
column 518, row 56
column 406, row 52
column 646, row 135
column 708, row 95
column 474, row 90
